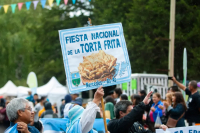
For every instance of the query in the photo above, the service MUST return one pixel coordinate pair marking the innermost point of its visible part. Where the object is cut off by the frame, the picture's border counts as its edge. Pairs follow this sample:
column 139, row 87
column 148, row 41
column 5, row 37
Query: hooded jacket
column 48, row 111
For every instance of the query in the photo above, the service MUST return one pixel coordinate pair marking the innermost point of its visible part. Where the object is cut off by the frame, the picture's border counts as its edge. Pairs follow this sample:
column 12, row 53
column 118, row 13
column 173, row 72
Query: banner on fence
column 190, row 129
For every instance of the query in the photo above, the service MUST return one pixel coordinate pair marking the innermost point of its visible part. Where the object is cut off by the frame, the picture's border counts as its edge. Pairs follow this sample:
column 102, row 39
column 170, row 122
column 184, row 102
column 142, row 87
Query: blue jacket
column 158, row 110
column 176, row 113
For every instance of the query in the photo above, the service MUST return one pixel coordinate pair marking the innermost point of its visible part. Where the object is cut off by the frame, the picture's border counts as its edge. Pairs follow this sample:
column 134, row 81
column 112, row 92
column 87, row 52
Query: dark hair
column 109, row 99
column 38, row 100
column 124, row 97
column 110, row 92
column 143, row 92
column 175, row 89
column 35, row 94
column 118, row 91
column 137, row 98
column 179, row 99
column 157, row 94
column 42, row 98
column 38, row 125
column 122, row 106
column 193, row 83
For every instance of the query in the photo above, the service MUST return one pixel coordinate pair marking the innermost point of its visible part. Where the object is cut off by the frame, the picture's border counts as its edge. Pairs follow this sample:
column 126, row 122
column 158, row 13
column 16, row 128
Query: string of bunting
column 35, row 3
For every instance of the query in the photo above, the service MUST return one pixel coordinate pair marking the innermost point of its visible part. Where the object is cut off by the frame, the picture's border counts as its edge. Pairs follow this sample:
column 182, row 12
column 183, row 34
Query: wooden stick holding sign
column 104, row 116
column 102, row 102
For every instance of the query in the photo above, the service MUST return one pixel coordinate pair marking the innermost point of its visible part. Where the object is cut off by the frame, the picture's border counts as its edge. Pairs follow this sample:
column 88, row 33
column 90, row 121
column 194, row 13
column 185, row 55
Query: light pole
column 171, row 39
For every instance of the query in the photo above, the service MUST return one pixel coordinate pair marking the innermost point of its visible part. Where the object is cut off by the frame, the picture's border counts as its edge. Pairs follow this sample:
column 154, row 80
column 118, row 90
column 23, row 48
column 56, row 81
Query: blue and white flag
column 59, row 125
column 13, row 129
column 54, row 125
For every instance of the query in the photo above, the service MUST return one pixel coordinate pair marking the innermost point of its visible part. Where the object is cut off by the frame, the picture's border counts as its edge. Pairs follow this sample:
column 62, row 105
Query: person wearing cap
column 76, row 99
column 82, row 120
column 68, row 98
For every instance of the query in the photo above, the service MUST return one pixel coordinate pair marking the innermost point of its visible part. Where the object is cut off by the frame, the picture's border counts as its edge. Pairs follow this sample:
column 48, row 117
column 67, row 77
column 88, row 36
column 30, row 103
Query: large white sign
column 95, row 56
column 190, row 129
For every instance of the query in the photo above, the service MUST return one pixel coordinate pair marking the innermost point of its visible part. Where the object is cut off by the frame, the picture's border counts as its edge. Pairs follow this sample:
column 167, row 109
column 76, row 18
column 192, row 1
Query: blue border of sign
column 62, row 33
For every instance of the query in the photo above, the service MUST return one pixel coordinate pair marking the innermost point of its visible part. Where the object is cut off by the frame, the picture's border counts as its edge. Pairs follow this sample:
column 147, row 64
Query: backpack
column 138, row 128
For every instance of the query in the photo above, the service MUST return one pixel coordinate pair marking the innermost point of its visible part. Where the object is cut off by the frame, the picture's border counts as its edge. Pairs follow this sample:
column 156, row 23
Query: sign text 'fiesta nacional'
column 95, row 56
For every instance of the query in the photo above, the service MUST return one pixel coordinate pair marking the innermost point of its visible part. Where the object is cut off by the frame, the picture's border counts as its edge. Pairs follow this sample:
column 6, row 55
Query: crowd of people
column 125, row 113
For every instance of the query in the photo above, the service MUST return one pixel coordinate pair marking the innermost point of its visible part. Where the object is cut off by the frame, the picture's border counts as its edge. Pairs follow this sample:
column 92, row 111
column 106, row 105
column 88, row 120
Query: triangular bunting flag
column 57, row 1
column 66, row 1
column 20, row 5
column 73, row 1
column 28, row 4
column 13, row 6
column 35, row 4
column 50, row 2
column 43, row 2
column 5, row 8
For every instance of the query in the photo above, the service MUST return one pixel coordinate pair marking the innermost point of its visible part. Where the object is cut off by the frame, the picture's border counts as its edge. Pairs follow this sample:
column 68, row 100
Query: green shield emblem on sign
column 75, row 78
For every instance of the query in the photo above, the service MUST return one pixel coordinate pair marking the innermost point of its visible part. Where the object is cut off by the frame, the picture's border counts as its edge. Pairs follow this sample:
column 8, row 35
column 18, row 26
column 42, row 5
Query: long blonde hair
column 169, row 96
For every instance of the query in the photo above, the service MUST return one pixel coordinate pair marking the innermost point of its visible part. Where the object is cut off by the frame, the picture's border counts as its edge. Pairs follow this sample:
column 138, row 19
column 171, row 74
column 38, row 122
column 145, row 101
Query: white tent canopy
column 49, row 87
column 23, row 91
column 9, row 89
column 54, row 91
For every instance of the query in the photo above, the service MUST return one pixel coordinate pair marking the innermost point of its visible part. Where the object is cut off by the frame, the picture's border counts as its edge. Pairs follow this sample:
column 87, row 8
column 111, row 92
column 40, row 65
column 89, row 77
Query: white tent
column 54, row 91
column 23, row 91
column 51, row 85
column 9, row 89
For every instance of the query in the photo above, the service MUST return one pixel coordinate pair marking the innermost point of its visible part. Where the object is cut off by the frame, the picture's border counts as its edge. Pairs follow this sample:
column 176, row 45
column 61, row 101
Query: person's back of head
column 42, row 99
column 123, row 97
column 122, row 107
column 136, row 99
column 117, row 92
column 175, row 89
column 68, row 98
column 48, row 106
column 37, row 101
column 109, row 99
column 143, row 93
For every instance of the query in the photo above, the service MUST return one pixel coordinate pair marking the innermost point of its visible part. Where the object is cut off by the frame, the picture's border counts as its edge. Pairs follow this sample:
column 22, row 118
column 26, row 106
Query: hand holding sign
column 98, row 95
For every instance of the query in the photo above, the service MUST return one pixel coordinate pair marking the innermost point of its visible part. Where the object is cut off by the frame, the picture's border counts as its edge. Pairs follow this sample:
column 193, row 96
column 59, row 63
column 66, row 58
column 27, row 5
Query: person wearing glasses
column 20, row 114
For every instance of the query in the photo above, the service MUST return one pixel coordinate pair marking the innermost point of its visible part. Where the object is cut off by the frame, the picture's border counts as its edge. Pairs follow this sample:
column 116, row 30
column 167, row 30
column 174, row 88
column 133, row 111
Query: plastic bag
column 158, row 121
column 12, row 129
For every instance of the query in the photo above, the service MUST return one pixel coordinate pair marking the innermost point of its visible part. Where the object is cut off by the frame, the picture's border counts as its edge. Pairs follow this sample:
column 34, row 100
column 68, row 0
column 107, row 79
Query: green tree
column 16, row 43
column 149, row 30
column 48, row 55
